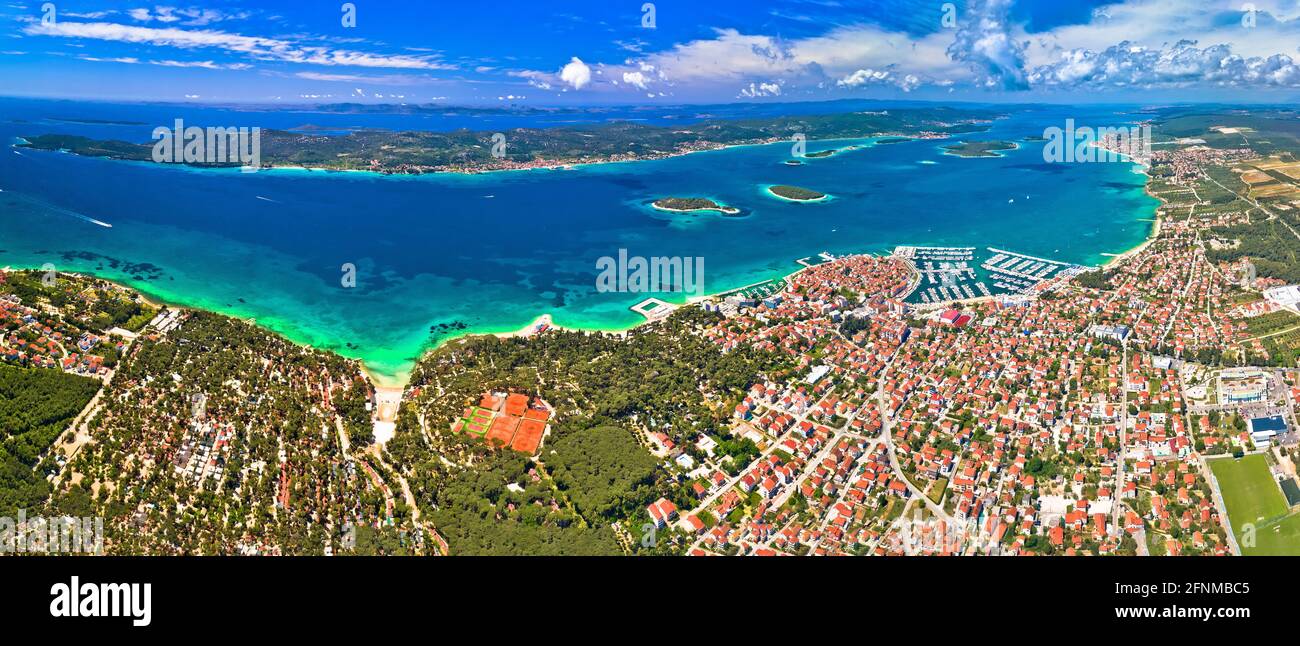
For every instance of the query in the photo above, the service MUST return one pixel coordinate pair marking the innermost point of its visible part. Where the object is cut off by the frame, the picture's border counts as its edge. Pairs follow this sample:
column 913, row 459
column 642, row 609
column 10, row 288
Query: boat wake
column 86, row 218
column 62, row 211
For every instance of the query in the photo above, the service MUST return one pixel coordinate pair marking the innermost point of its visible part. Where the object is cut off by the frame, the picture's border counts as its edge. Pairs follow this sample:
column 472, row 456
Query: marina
column 1017, row 272
column 238, row 262
column 951, row 274
column 946, row 273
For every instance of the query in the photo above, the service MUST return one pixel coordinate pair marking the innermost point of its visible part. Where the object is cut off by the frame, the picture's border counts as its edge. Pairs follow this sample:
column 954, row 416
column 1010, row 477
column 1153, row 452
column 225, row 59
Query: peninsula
column 470, row 151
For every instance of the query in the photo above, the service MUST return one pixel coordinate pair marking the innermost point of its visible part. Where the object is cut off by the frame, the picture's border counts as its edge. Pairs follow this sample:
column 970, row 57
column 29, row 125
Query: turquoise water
column 439, row 256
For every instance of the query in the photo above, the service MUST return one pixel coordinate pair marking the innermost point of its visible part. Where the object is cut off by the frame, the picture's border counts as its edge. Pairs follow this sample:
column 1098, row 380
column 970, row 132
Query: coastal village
column 1074, row 421
column 76, row 336
column 1084, row 412
column 1078, row 411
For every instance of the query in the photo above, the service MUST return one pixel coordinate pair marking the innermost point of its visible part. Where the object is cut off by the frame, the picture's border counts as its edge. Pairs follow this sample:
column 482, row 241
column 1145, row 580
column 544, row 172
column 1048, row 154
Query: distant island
column 980, row 148
column 469, row 151
column 98, row 122
column 822, row 153
column 693, row 205
column 796, row 194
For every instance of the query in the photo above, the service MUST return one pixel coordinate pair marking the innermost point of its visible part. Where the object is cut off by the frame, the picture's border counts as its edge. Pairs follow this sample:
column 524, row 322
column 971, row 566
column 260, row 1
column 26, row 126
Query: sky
column 635, row 52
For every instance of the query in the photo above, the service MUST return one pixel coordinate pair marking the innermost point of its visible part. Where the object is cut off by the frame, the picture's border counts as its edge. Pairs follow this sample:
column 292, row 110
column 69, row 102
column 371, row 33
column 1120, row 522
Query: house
column 662, row 511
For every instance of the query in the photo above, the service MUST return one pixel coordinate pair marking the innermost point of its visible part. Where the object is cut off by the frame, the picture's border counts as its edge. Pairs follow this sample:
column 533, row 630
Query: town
column 1142, row 408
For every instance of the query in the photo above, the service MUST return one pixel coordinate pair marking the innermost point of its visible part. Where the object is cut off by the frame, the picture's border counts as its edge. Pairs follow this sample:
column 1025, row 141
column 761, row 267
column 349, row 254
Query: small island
column 796, row 194
column 822, row 153
column 980, row 148
column 692, row 205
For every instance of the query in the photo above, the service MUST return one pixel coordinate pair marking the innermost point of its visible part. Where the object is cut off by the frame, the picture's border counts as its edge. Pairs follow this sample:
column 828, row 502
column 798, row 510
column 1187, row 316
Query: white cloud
column 984, row 41
column 203, row 64
column 635, row 79
column 1181, row 64
column 817, row 61
column 1167, row 43
column 870, row 77
column 121, row 59
column 1128, row 43
column 253, row 46
column 168, row 63
column 576, row 74
column 190, row 17
column 374, row 79
column 87, row 15
column 755, row 91
column 539, row 80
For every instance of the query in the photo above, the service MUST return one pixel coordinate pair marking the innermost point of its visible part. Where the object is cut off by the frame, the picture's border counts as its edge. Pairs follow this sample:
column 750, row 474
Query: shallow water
column 489, row 253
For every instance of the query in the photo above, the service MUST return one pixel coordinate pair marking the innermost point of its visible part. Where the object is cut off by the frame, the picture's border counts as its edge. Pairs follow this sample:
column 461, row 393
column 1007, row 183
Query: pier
column 935, row 254
column 1018, row 272
column 654, row 309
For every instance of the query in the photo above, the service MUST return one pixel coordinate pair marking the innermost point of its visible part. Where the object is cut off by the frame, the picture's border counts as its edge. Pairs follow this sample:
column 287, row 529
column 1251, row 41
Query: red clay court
column 503, row 430
column 518, row 426
column 528, row 436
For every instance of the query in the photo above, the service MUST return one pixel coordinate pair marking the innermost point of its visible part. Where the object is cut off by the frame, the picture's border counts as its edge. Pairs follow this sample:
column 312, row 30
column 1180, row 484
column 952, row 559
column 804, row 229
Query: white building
column 1287, row 297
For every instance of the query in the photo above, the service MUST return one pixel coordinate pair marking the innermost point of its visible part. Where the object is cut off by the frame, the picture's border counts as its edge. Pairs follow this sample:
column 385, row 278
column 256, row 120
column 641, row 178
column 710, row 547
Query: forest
column 36, row 406
column 606, row 390
column 1270, row 245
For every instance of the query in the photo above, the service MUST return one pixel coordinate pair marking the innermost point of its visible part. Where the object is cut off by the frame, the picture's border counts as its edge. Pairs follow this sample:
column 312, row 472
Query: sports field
column 1254, row 499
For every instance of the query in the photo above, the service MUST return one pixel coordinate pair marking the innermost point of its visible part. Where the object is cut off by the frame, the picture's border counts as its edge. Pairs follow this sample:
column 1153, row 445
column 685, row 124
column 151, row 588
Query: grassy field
column 1278, row 539
column 1253, row 498
column 936, row 490
column 1270, row 323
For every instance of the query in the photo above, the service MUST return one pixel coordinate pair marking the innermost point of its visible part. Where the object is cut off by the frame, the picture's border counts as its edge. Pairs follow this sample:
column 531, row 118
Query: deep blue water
column 495, row 251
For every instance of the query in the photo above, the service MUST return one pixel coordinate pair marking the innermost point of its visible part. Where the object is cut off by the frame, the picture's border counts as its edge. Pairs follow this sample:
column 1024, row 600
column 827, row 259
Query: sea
column 436, row 257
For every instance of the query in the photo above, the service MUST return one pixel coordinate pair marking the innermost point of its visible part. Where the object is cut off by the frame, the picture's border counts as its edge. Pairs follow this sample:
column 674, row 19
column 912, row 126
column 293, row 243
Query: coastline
column 399, row 380
column 1157, row 224
column 721, row 210
column 542, row 166
column 991, row 154
column 826, row 197
column 392, row 374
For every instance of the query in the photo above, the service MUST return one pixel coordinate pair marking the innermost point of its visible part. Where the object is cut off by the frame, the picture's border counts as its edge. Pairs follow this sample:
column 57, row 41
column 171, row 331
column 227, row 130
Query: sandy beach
column 532, row 329
column 1155, row 234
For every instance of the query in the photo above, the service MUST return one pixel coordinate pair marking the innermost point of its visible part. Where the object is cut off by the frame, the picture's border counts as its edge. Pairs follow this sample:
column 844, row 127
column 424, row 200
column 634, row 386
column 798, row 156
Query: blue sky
column 549, row 52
